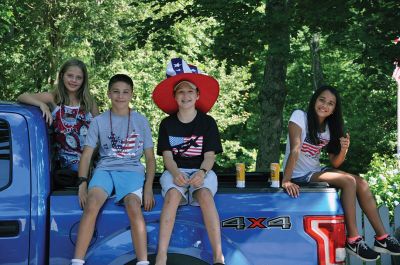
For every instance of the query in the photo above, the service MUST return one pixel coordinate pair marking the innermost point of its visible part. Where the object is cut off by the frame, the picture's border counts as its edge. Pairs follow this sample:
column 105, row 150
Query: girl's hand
column 197, row 179
column 46, row 114
column 396, row 73
column 148, row 199
column 345, row 142
column 292, row 189
column 82, row 193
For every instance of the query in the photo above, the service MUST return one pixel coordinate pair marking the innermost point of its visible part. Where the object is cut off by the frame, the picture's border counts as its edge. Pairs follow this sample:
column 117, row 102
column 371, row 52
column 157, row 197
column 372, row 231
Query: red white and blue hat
column 177, row 71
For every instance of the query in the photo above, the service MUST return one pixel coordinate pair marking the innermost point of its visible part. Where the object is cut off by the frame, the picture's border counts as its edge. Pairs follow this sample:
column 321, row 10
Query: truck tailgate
column 258, row 226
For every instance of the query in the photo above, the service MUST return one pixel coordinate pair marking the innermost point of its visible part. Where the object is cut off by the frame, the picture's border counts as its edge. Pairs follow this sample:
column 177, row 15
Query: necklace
column 113, row 140
column 67, row 124
column 69, row 129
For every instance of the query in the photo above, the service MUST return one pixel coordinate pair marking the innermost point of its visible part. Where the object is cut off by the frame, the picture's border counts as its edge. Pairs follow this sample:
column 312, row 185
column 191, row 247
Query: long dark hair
column 334, row 121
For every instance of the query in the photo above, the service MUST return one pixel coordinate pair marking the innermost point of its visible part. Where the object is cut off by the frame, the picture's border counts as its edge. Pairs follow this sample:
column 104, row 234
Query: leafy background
column 232, row 41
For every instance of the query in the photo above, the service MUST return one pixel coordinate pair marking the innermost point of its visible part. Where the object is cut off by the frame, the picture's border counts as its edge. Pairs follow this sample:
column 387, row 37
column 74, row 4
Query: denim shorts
column 74, row 167
column 167, row 183
column 124, row 182
column 307, row 177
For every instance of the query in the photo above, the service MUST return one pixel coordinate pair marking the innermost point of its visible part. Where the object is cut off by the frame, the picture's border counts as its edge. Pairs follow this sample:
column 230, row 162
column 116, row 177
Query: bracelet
column 81, row 180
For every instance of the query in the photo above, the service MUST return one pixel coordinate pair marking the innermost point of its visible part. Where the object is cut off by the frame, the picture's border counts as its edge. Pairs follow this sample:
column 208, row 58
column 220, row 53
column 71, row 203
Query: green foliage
column 227, row 39
column 366, row 100
column 384, row 180
column 6, row 17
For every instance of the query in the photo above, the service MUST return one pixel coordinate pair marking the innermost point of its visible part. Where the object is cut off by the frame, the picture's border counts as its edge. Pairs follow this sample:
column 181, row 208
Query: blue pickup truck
column 260, row 225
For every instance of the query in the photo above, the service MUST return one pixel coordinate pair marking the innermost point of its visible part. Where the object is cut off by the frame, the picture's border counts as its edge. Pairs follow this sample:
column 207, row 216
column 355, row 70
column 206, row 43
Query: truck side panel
column 40, row 184
column 26, row 196
column 14, row 190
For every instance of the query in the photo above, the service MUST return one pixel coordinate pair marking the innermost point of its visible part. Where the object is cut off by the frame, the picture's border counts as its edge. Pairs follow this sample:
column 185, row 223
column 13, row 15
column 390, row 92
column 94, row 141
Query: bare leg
column 167, row 220
column 368, row 205
column 138, row 226
column 352, row 186
column 347, row 184
column 211, row 221
column 95, row 201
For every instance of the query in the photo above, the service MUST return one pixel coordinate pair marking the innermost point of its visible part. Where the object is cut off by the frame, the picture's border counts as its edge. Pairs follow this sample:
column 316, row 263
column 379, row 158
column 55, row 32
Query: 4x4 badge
column 241, row 222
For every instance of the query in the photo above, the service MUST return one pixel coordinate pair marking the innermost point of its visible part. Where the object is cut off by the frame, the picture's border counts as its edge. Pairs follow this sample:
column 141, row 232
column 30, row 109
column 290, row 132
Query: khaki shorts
column 167, row 183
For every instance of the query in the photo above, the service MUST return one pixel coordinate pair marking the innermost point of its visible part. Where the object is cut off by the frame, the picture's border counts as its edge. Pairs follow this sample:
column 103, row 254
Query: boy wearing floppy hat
column 123, row 136
column 188, row 141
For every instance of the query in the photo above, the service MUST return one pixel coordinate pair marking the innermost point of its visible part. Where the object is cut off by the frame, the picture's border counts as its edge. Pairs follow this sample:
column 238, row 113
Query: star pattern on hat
column 178, row 70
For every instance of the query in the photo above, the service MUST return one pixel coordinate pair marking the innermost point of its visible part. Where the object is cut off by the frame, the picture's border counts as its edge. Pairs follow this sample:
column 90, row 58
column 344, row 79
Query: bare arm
column 295, row 144
column 40, row 100
column 198, row 178
column 209, row 160
column 95, row 109
column 83, row 171
column 337, row 160
column 150, row 172
column 180, row 179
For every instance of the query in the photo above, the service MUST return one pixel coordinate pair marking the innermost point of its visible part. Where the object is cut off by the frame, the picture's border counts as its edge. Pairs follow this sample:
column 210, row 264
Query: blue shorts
column 124, row 182
column 307, row 177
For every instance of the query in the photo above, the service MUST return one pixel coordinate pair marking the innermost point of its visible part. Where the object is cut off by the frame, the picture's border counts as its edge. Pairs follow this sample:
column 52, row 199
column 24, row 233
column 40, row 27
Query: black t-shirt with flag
column 189, row 141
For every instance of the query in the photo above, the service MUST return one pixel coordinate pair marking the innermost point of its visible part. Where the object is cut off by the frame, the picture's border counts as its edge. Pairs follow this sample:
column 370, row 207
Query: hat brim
column 163, row 94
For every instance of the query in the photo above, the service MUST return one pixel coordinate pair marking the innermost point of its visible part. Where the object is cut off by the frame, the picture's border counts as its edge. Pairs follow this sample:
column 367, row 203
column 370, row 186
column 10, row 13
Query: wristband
column 205, row 171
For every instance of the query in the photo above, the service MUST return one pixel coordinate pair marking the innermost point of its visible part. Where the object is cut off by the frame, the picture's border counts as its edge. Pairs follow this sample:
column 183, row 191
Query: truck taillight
column 329, row 232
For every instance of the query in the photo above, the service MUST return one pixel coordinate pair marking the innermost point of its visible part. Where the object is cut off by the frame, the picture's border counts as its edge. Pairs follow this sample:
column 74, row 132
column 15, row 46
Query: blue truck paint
column 260, row 225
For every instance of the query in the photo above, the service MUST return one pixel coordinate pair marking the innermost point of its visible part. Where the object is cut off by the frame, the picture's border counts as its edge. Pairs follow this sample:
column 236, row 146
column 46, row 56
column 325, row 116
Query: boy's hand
column 181, row 180
column 148, row 198
column 82, row 192
column 197, row 179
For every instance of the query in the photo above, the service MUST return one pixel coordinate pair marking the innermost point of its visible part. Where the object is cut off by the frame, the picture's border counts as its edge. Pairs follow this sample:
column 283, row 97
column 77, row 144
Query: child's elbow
column 21, row 97
column 335, row 164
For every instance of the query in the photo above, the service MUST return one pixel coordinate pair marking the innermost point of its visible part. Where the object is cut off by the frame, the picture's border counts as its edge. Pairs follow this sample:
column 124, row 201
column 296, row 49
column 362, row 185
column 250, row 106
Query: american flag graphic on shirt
column 186, row 146
column 126, row 147
column 311, row 150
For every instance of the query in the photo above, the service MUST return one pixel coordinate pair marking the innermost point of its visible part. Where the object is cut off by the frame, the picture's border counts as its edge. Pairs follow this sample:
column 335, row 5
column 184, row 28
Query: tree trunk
column 318, row 75
column 51, row 13
column 273, row 93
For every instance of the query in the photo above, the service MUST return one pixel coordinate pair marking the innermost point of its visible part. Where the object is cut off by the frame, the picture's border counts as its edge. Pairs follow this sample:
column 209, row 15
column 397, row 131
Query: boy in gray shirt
column 123, row 136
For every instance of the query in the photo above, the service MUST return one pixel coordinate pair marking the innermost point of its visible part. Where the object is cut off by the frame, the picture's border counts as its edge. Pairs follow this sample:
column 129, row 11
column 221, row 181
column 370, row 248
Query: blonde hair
column 60, row 92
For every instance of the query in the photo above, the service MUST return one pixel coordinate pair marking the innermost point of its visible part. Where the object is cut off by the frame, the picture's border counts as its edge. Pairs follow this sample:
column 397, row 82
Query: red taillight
column 329, row 232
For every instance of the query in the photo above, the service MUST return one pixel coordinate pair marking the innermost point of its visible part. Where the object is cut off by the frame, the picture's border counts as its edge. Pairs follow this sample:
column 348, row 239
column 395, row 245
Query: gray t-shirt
column 117, row 151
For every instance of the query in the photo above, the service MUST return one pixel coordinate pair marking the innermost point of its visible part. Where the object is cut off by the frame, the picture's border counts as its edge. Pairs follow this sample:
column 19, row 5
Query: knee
column 93, row 205
column 133, row 204
column 173, row 196
column 349, row 181
column 362, row 185
column 204, row 197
